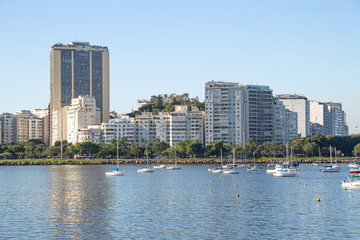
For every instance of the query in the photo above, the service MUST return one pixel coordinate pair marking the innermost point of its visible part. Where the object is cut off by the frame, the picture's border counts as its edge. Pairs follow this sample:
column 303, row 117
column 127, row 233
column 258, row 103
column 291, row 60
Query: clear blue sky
column 308, row 47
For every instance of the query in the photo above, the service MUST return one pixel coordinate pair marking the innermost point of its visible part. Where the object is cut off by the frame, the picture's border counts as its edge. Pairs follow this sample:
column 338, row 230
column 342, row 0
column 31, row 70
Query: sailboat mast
column 291, row 155
column 233, row 157
column 221, row 157
column 117, row 147
column 330, row 155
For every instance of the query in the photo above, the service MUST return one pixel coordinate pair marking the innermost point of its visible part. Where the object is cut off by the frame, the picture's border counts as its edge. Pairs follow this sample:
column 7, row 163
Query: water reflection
column 80, row 202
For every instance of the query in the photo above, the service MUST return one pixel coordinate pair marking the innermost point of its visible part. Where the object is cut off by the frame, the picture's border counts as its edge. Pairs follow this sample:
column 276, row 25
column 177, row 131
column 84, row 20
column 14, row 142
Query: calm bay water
column 80, row 202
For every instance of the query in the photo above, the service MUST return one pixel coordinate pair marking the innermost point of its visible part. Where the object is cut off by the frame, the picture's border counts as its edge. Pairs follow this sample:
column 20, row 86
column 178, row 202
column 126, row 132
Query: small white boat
column 146, row 169
column 253, row 168
column 286, row 172
column 354, row 165
column 332, row 167
column 243, row 166
column 174, row 167
column 354, row 182
column 231, row 170
column 159, row 167
column 218, row 169
column 271, row 171
column 115, row 172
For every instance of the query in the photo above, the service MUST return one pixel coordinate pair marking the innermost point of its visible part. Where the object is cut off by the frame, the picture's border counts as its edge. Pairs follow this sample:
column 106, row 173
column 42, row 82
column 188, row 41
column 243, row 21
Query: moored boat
column 231, row 170
column 354, row 170
column 353, row 182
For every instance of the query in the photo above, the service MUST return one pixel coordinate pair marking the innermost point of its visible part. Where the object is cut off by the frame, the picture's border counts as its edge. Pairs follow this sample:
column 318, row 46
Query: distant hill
column 158, row 104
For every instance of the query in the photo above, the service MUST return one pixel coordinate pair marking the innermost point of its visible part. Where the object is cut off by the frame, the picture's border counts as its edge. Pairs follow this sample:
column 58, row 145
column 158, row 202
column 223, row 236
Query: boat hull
column 173, row 168
column 115, row 173
column 145, row 170
column 350, row 185
column 231, row 172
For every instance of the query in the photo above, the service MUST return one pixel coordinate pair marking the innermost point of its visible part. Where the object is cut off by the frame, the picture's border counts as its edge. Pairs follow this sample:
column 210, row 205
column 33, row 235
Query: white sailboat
column 253, row 168
column 286, row 171
column 160, row 166
column 218, row 169
column 146, row 169
column 332, row 167
column 173, row 167
column 115, row 171
column 231, row 170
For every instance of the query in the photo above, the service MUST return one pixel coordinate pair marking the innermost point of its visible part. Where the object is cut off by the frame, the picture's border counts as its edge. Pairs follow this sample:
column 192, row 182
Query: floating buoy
column 318, row 199
column 219, row 177
column 210, row 190
column 237, row 195
column 235, row 185
column 345, row 188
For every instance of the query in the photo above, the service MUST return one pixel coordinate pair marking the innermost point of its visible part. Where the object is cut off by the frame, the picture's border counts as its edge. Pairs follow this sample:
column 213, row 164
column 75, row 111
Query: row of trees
column 309, row 147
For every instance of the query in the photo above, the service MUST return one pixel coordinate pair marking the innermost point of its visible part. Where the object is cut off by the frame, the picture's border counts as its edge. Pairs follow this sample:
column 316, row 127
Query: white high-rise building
column 145, row 127
column 8, row 125
column 45, row 116
column 186, row 125
column 327, row 118
column 319, row 117
column 301, row 106
column 336, row 119
column 235, row 112
column 291, row 125
column 285, row 123
column 81, row 113
column 28, row 126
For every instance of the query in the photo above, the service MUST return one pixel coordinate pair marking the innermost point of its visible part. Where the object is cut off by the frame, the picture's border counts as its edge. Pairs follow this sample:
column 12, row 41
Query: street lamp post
column 244, row 126
column 62, row 122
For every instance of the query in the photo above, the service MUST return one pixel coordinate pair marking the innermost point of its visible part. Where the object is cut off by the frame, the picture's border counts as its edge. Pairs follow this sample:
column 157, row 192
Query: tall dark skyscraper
column 78, row 69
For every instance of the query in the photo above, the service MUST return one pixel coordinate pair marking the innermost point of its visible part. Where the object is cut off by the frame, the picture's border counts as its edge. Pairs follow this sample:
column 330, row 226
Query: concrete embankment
column 151, row 161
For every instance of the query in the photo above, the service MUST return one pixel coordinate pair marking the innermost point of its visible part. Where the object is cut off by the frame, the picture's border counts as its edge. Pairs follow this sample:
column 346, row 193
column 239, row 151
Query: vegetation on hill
column 158, row 104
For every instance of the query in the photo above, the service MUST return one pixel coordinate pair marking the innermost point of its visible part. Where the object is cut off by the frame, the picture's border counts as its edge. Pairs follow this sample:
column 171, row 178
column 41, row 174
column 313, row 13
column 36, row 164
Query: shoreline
column 34, row 162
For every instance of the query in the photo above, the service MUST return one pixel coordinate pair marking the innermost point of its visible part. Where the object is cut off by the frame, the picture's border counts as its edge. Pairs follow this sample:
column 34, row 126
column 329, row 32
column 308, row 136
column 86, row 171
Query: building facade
column 121, row 127
column 301, row 106
column 328, row 118
column 8, row 125
column 81, row 113
column 29, row 126
column 235, row 112
column 78, row 69
column 44, row 114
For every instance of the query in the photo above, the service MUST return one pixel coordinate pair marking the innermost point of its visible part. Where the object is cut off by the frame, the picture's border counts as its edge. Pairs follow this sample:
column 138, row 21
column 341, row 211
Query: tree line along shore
column 264, row 161
column 302, row 148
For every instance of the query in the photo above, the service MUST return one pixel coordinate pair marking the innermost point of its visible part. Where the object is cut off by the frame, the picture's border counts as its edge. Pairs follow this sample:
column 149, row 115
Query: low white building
column 121, row 127
column 93, row 133
column 81, row 113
